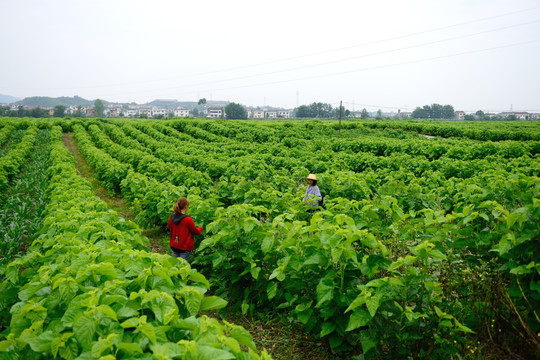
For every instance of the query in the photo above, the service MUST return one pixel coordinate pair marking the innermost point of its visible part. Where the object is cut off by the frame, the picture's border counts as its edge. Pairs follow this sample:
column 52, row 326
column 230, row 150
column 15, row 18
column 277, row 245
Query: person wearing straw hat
column 313, row 194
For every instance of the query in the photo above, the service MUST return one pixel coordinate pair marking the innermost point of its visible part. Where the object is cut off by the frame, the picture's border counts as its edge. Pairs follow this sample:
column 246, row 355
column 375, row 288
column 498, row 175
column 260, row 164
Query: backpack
column 321, row 201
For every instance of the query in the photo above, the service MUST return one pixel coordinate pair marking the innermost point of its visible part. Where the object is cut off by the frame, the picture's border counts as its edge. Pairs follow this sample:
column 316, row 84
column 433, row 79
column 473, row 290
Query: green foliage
column 235, row 111
column 86, row 290
column 22, row 204
column 423, row 246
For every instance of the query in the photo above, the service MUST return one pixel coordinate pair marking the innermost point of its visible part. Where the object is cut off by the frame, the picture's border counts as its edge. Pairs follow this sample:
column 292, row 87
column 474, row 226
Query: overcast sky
column 387, row 54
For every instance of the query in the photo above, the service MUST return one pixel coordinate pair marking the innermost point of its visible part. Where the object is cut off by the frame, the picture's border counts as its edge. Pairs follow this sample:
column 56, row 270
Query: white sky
column 387, row 54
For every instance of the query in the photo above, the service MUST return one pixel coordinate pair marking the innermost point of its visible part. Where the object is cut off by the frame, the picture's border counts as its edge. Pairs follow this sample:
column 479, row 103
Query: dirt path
column 158, row 238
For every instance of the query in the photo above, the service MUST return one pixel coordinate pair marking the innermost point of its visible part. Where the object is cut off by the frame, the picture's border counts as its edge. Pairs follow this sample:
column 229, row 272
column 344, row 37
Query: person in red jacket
column 182, row 229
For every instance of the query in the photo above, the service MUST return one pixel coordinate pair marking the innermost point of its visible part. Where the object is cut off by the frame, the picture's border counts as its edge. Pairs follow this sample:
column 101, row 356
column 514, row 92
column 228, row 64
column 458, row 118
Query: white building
column 114, row 111
column 286, row 114
column 131, row 112
column 145, row 111
column 158, row 112
column 258, row 114
column 215, row 113
column 459, row 115
column 179, row 112
column 270, row 114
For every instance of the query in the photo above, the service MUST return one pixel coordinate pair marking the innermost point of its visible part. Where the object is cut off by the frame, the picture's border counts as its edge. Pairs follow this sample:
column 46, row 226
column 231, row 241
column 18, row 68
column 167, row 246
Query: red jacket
column 182, row 232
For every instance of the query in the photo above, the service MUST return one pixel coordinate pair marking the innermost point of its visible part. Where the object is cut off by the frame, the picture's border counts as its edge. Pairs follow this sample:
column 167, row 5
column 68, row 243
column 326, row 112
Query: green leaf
column 108, row 311
column 192, row 300
column 267, row 244
column 165, row 309
column 271, row 290
column 368, row 341
column 211, row 353
column 212, row 303
column 327, row 328
column 373, row 303
column 149, row 331
column 12, row 274
column 360, row 300
column 360, row 317
column 244, row 307
column 84, row 329
column 41, row 343
column 255, row 272
column 130, row 348
column 325, row 292
column 243, row 337
column 130, row 323
column 520, row 270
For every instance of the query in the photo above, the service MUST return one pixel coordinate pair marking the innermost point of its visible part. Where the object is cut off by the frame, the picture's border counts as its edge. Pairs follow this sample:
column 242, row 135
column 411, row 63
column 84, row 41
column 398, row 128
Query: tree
column 235, row 111
column 379, row 114
column 480, row 114
column 99, row 108
column 419, row 113
column 201, row 101
column 4, row 110
column 316, row 110
column 448, row 112
column 435, row 111
column 59, row 111
column 364, row 114
column 38, row 112
column 195, row 112
column 303, row 111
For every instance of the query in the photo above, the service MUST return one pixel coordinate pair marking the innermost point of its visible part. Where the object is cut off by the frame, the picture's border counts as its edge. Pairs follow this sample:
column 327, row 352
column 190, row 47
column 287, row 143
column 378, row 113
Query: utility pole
column 340, row 117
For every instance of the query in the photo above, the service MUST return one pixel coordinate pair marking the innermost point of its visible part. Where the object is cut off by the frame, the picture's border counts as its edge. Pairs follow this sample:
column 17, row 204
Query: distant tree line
column 58, row 111
column 434, row 111
column 320, row 111
column 37, row 112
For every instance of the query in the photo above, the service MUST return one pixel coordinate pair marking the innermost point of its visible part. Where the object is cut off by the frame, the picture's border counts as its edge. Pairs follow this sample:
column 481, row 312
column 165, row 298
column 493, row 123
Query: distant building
column 270, row 114
column 131, row 112
column 404, row 114
column 518, row 114
column 258, row 114
column 145, row 111
column 285, row 114
column 114, row 111
column 459, row 115
column 179, row 112
column 157, row 112
column 522, row 115
column 215, row 113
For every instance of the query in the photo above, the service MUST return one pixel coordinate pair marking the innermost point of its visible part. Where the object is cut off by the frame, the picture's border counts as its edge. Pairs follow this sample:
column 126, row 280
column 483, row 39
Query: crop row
column 386, row 260
column 484, row 131
column 24, row 201
column 5, row 131
column 16, row 156
column 84, row 290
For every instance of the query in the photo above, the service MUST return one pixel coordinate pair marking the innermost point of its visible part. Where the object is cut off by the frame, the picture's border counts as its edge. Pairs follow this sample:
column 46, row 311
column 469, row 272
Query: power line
column 314, row 53
column 345, row 59
column 371, row 68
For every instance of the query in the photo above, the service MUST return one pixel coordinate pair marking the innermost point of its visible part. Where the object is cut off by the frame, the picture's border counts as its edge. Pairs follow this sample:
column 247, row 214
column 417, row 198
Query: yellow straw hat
column 312, row 177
